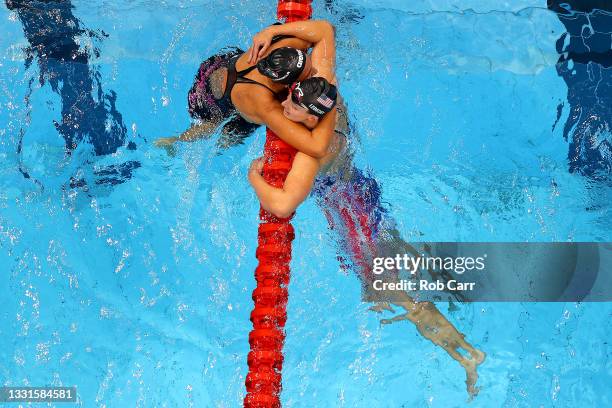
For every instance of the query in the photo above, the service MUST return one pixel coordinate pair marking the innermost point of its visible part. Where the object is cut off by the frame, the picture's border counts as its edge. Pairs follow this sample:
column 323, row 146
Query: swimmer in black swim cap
column 314, row 97
column 286, row 65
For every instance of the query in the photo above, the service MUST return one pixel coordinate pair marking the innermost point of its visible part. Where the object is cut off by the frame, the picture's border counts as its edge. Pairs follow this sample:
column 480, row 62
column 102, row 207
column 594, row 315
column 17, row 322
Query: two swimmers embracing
column 279, row 85
column 235, row 93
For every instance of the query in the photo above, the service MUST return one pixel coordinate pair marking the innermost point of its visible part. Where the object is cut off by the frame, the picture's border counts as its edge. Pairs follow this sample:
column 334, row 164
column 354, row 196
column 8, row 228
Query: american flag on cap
column 325, row 101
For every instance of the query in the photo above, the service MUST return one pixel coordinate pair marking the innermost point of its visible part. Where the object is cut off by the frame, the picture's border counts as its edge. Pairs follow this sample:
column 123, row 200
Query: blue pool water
column 128, row 273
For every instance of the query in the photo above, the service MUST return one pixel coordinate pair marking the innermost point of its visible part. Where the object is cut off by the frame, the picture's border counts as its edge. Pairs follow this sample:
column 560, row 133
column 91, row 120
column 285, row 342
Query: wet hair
column 315, row 94
column 283, row 65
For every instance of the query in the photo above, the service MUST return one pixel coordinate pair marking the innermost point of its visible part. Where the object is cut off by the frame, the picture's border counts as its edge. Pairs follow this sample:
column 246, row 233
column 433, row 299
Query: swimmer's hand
column 261, row 42
column 256, row 167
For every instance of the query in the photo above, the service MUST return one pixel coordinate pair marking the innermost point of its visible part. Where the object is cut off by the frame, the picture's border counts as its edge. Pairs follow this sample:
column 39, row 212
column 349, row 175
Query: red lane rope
column 265, row 360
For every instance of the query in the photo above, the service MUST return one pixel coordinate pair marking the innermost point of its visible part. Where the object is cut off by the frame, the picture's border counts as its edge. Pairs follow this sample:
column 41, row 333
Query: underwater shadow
column 585, row 64
column 52, row 32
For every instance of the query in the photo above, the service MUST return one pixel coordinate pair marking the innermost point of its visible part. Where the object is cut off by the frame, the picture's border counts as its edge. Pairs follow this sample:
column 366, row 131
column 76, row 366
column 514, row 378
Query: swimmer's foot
column 380, row 307
column 471, row 376
column 470, row 365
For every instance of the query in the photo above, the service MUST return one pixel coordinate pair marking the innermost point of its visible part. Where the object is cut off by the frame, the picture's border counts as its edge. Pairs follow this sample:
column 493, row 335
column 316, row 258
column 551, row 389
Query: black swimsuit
column 238, row 77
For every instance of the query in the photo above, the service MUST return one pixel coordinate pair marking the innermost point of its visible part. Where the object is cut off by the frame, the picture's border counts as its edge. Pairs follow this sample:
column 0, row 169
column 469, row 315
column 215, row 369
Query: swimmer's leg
column 426, row 317
column 432, row 325
column 476, row 354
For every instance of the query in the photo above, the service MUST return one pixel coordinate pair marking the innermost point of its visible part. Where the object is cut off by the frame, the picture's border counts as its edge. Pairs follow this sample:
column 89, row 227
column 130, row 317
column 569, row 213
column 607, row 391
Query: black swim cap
column 315, row 94
column 283, row 65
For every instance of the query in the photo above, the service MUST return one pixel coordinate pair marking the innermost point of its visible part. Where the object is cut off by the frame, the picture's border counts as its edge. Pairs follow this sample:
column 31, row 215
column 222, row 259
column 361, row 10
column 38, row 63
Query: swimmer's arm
column 313, row 143
column 197, row 132
column 282, row 202
column 313, row 31
column 193, row 133
column 324, row 55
